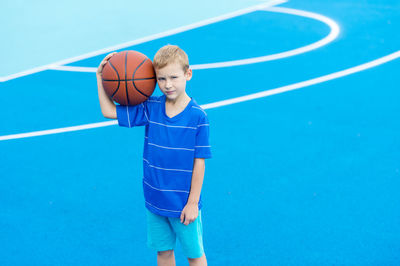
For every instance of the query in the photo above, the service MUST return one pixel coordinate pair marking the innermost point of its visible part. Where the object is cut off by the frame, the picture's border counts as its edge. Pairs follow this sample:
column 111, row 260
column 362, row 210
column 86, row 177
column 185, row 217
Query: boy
column 176, row 144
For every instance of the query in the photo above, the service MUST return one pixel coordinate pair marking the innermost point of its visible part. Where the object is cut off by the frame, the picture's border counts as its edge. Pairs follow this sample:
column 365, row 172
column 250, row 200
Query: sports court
column 303, row 102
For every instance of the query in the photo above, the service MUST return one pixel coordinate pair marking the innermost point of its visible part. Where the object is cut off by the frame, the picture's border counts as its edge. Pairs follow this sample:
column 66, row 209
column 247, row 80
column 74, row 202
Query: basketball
column 129, row 78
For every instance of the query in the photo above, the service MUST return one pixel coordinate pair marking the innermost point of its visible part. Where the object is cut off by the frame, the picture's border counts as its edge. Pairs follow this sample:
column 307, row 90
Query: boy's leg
column 166, row 258
column 191, row 237
column 202, row 261
column 160, row 237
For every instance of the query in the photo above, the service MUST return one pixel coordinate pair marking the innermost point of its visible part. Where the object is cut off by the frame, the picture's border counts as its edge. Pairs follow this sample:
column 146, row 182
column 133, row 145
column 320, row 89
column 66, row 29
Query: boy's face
column 172, row 81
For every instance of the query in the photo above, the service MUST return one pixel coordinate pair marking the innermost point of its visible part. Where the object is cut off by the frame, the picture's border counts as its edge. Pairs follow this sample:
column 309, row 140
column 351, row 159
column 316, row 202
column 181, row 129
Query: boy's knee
column 166, row 253
column 198, row 261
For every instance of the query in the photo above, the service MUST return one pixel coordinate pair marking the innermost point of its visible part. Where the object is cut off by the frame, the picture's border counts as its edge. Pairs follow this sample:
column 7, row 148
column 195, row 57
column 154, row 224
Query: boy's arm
column 197, row 180
column 108, row 108
column 191, row 210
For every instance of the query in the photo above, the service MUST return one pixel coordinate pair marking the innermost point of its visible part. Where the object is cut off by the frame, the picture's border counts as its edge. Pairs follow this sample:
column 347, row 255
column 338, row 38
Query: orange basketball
column 129, row 78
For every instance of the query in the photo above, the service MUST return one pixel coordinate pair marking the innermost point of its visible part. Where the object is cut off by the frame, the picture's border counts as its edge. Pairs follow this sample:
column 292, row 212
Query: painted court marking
column 334, row 32
column 331, row 36
column 145, row 39
column 249, row 97
column 267, row 7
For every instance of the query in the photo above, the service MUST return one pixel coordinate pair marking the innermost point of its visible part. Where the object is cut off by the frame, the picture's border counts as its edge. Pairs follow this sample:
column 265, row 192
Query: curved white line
column 334, row 32
column 253, row 96
column 331, row 36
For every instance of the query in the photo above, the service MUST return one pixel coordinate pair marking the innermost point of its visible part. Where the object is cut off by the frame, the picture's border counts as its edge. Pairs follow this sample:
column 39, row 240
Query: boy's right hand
column 101, row 66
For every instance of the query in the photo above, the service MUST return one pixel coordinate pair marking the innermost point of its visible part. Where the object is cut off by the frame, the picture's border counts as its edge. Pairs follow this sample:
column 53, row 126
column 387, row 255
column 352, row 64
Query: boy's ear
column 189, row 74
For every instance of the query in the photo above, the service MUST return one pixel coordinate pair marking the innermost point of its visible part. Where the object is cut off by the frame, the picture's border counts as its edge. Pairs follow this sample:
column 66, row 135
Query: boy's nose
column 168, row 84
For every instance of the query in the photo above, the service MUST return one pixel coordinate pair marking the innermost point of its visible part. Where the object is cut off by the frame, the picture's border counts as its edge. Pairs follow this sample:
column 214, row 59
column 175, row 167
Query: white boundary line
column 249, row 97
column 331, row 36
column 58, row 130
column 306, row 83
column 145, row 39
column 74, row 68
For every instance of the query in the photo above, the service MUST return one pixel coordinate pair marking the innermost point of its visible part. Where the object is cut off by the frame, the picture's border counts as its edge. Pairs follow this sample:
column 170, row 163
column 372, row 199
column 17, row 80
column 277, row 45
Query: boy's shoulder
column 198, row 111
column 198, row 108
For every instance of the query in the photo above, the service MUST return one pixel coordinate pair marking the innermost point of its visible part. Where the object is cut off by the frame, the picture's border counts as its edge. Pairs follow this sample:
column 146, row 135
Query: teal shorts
column 163, row 231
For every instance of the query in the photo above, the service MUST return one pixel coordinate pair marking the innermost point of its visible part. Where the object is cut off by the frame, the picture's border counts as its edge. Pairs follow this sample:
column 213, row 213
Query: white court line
column 331, row 36
column 145, row 39
column 306, row 83
column 334, row 32
column 74, row 68
column 249, row 97
column 58, row 130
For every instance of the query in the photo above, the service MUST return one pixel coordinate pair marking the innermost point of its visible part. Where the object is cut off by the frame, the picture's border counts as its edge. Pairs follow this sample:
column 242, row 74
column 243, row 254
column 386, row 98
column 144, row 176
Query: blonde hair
column 171, row 54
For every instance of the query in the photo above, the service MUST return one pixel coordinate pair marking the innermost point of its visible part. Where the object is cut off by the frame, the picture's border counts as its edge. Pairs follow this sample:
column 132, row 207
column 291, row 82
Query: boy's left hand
column 189, row 213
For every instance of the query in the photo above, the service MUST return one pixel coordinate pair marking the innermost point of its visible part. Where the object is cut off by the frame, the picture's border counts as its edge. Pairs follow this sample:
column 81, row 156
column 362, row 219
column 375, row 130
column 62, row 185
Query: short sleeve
column 131, row 116
column 202, row 147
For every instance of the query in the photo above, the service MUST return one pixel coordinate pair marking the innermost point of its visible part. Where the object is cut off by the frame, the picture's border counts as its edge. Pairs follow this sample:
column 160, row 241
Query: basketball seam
column 116, row 80
column 126, row 83
column 133, row 79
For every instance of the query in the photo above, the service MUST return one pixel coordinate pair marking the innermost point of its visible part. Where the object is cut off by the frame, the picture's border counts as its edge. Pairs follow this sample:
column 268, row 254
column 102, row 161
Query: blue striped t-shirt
column 170, row 146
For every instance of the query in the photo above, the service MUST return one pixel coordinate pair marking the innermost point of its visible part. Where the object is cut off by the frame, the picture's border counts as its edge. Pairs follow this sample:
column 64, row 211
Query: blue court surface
column 303, row 102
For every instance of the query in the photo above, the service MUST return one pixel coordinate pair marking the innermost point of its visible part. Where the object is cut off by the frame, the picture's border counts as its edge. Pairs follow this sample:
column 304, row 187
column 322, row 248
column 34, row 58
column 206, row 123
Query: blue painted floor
column 305, row 177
